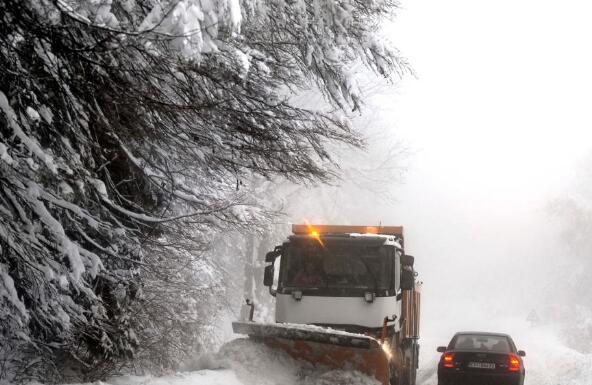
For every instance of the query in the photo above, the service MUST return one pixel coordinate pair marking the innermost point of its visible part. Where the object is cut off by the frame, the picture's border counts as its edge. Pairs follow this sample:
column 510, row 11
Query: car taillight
column 448, row 360
column 514, row 365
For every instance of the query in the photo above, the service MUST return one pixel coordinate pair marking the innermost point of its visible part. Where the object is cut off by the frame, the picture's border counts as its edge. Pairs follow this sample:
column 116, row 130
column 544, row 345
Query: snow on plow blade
column 323, row 347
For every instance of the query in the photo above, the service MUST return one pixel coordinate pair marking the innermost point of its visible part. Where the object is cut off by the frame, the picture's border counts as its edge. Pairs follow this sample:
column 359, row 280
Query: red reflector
column 448, row 359
column 514, row 365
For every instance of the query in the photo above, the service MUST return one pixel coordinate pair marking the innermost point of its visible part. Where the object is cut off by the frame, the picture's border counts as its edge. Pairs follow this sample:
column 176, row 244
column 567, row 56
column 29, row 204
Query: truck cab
column 344, row 281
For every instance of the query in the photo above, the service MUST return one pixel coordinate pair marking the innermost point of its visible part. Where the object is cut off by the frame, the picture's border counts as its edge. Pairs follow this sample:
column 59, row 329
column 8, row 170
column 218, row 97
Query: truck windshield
column 337, row 265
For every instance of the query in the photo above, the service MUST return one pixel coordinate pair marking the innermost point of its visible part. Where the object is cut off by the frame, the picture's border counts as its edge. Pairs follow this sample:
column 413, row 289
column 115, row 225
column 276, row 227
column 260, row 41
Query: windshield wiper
column 374, row 280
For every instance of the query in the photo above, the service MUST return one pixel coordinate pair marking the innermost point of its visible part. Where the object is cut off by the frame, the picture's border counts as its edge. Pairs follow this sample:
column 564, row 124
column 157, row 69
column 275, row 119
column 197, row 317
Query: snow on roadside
column 548, row 361
column 257, row 364
column 246, row 362
column 201, row 377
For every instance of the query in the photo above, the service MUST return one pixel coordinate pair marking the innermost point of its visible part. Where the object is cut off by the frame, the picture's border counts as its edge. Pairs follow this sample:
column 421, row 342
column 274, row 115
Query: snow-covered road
column 548, row 360
column 243, row 362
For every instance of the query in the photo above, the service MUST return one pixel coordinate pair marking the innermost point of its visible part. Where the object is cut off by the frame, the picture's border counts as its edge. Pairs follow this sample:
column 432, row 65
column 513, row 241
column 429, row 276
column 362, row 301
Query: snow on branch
column 30, row 143
column 136, row 136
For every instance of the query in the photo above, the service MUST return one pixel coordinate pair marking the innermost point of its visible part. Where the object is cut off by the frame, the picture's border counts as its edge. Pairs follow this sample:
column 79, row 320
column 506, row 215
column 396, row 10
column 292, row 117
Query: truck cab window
column 358, row 267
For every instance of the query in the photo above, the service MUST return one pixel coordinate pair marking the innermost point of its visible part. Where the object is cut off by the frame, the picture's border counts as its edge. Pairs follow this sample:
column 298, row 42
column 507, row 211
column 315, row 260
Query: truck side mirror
column 407, row 278
column 521, row 353
column 272, row 255
column 441, row 349
column 268, row 276
column 407, row 260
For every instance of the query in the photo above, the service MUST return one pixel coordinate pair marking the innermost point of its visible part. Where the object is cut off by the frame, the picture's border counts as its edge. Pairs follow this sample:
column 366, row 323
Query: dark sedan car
column 477, row 358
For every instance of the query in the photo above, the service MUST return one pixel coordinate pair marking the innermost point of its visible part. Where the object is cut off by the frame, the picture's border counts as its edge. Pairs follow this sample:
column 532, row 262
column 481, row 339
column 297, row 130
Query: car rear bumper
column 467, row 378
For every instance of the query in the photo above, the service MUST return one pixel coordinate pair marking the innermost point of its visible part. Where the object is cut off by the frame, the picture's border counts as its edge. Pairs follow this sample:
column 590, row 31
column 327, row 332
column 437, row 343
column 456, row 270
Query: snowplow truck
column 346, row 298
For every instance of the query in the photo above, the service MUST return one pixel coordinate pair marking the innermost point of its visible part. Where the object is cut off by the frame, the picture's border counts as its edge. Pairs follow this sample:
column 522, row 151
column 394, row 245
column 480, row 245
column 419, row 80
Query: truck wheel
column 394, row 380
column 413, row 373
column 410, row 373
column 397, row 374
column 406, row 373
column 414, row 364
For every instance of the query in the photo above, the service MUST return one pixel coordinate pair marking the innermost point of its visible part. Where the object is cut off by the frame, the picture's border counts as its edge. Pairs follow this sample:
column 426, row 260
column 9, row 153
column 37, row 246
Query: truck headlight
column 297, row 295
column 369, row 297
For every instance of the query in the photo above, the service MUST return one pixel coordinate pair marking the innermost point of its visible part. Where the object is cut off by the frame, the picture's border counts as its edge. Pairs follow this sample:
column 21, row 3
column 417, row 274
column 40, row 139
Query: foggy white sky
column 502, row 103
column 498, row 120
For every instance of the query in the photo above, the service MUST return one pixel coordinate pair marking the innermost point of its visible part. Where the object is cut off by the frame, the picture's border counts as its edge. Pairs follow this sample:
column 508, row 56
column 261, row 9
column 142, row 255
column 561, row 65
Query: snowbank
column 201, row 377
column 245, row 362
column 256, row 364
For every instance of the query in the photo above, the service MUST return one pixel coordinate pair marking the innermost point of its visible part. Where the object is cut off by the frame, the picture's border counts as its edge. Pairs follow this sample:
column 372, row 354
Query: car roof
column 484, row 334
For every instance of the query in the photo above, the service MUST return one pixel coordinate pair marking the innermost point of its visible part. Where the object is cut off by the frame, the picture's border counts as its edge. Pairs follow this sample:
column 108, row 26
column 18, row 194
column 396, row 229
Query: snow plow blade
column 323, row 347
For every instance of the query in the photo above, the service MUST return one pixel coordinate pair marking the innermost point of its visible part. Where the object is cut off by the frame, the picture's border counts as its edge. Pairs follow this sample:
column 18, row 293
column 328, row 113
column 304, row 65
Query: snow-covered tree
column 127, row 129
column 572, row 213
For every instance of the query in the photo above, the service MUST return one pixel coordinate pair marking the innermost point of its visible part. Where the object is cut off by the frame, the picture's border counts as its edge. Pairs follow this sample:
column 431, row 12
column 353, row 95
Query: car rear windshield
column 480, row 342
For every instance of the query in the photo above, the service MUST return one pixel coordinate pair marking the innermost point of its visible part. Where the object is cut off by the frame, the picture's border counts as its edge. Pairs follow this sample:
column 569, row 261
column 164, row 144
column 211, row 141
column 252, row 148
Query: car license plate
column 481, row 365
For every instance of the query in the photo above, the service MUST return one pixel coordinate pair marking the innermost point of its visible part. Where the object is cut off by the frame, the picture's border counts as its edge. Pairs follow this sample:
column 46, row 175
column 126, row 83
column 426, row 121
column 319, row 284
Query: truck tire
column 405, row 372
column 413, row 372
column 409, row 376
column 414, row 363
column 404, row 369
column 394, row 380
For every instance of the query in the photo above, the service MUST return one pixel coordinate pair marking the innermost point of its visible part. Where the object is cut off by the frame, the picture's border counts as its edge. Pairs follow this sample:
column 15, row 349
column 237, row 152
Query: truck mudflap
column 323, row 347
